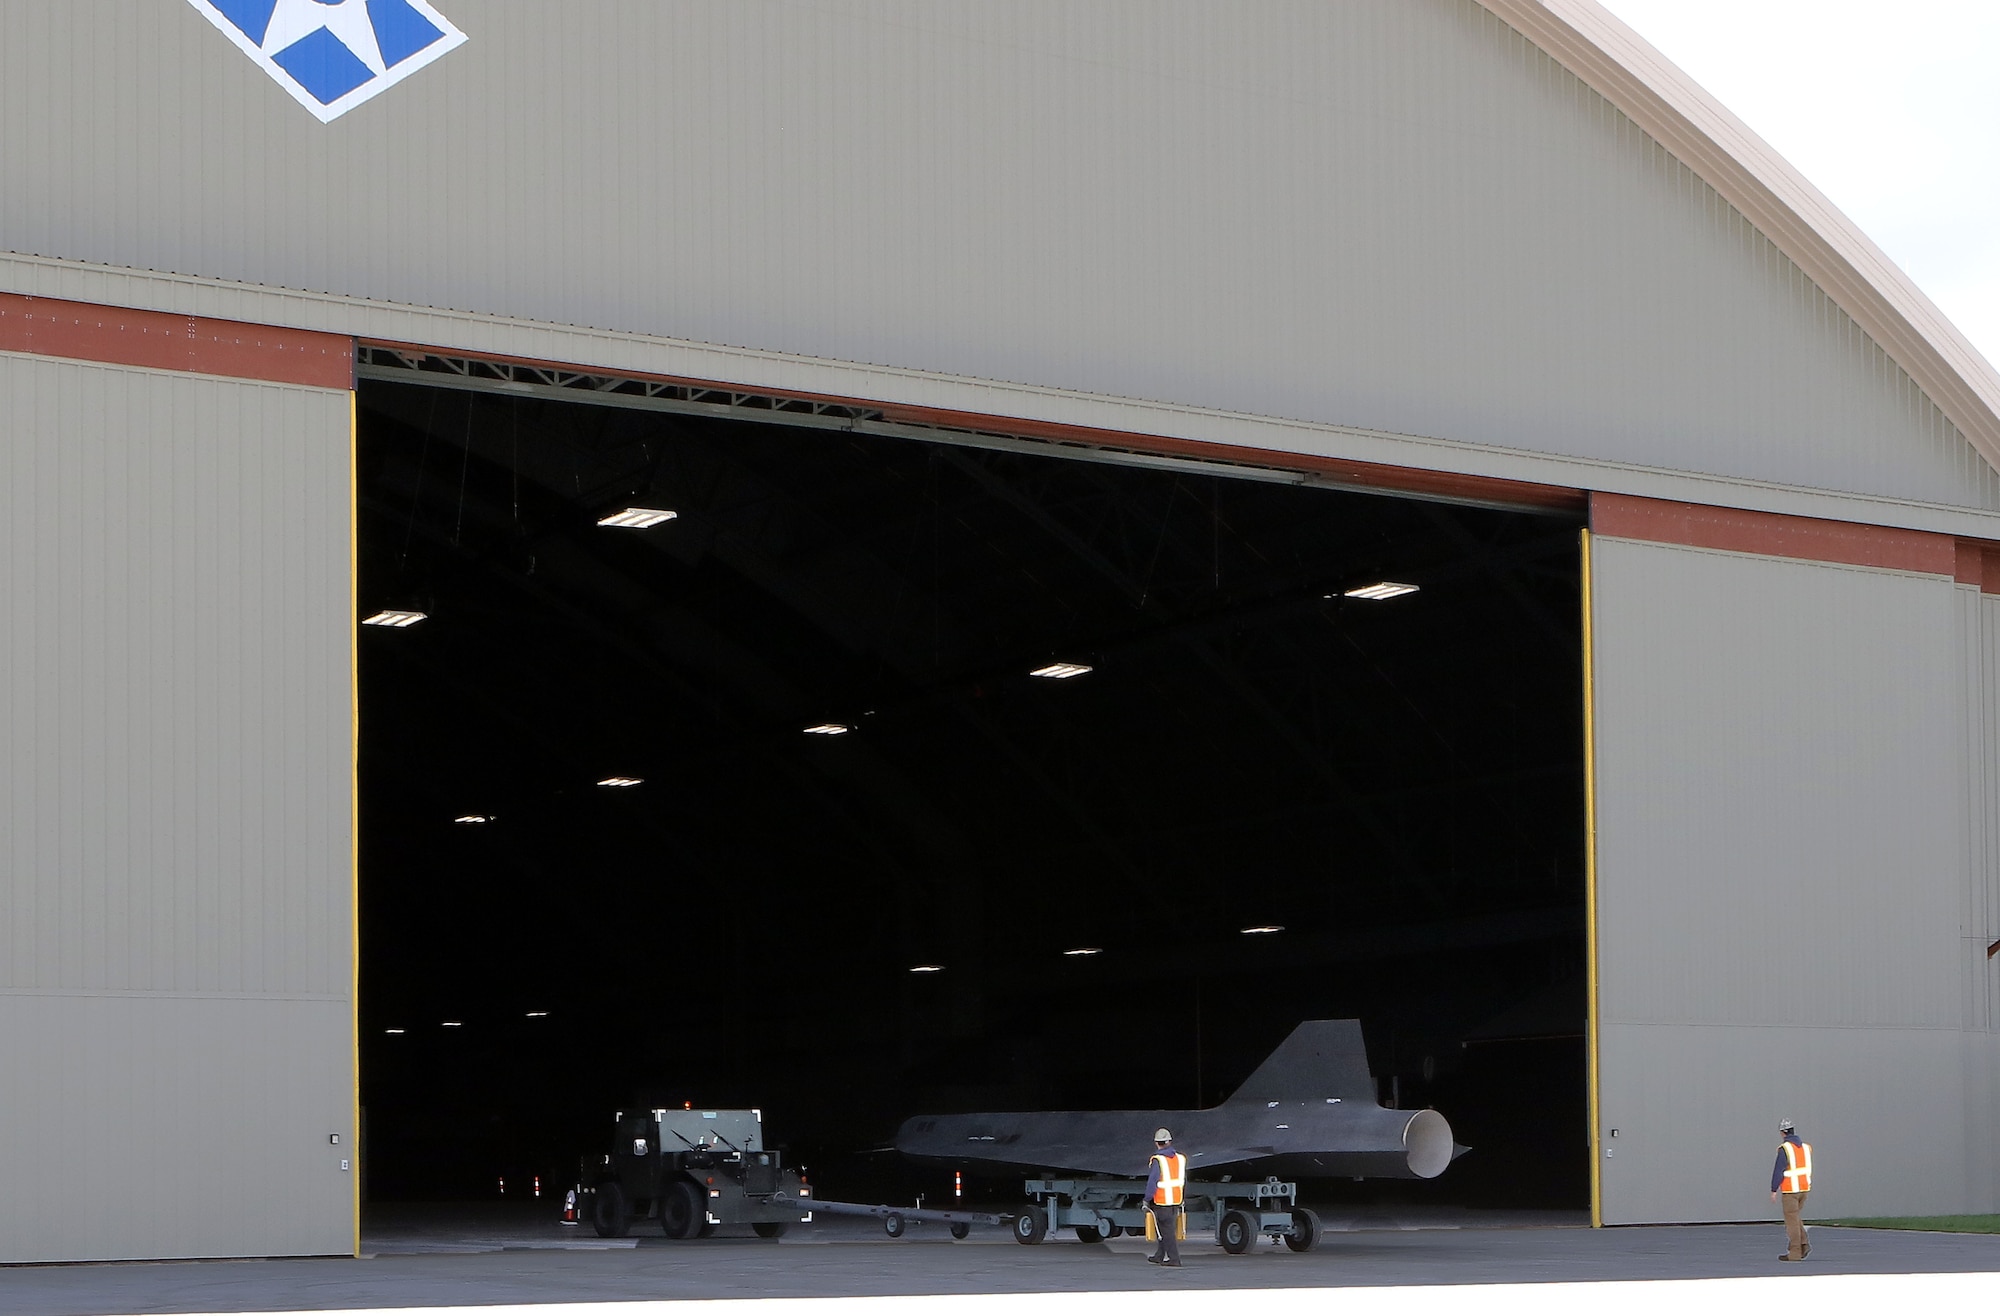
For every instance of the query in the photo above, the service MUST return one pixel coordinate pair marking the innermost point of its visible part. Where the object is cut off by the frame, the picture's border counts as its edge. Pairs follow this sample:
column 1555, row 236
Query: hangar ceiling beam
column 512, row 379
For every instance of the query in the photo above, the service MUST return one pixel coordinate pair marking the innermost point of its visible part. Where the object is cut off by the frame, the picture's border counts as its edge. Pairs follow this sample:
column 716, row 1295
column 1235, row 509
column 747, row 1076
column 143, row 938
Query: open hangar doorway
column 1269, row 799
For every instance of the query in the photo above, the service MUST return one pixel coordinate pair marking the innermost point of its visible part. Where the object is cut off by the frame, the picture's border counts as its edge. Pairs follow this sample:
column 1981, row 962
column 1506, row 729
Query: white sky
column 1890, row 107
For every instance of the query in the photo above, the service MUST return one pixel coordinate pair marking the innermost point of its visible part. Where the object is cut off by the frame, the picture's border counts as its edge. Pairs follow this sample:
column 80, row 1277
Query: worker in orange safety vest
column 1791, row 1179
column 1166, row 1186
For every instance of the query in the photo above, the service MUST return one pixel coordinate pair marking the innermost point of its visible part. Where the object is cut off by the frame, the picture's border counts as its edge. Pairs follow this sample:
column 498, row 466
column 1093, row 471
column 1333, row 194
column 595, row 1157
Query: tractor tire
column 681, row 1213
column 609, row 1215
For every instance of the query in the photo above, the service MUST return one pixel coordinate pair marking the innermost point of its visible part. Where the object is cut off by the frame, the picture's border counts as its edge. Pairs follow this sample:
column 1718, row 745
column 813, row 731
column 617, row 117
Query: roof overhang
column 1619, row 65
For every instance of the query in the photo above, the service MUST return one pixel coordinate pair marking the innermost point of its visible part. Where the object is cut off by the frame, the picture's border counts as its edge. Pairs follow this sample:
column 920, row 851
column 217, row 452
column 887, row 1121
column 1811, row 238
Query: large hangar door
column 1780, row 815
column 1325, row 744
column 176, row 854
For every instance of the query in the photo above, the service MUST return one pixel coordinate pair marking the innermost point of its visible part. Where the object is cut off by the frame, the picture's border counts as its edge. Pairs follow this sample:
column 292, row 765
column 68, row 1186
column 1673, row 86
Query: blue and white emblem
column 331, row 55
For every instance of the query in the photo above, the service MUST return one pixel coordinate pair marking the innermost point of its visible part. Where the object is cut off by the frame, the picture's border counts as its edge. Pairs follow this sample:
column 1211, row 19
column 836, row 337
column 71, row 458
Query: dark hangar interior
column 846, row 929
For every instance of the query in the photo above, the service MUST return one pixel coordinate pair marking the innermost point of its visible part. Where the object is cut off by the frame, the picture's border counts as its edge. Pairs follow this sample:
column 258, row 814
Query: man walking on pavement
column 1791, row 1178
column 1165, row 1184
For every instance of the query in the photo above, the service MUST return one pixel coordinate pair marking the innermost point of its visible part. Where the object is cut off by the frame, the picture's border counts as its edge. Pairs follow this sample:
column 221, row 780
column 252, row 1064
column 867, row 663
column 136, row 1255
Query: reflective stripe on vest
column 1798, row 1167
column 1173, row 1174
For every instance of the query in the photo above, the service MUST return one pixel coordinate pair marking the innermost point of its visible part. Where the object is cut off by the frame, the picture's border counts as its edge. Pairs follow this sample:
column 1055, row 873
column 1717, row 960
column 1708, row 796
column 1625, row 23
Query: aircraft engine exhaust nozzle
column 1427, row 1139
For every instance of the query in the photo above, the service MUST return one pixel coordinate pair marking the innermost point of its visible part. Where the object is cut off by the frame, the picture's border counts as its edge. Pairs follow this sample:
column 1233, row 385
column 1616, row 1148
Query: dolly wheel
column 892, row 1224
column 960, row 1230
column 771, row 1228
column 1235, row 1233
column 1305, row 1230
column 1089, row 1234
column 1031, row 1225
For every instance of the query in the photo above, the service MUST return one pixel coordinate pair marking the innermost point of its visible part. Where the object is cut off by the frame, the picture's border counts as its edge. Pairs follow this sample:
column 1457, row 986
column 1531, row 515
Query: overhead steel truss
column 405, row 365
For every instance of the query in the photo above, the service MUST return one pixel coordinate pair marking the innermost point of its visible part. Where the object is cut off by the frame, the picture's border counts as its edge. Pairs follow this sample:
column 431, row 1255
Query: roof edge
column 1648, row 88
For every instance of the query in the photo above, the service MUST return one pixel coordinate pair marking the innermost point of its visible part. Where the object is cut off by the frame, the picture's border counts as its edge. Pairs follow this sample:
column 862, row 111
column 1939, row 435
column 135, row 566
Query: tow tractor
column 693, row 1171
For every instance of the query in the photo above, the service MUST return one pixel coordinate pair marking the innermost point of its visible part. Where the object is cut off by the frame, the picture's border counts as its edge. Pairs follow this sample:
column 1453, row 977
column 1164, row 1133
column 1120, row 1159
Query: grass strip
column 1939, row 1224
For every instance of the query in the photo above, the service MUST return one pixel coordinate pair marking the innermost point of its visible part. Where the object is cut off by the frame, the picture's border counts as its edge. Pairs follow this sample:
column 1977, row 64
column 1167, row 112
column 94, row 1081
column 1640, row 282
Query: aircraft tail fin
column 1322, row 1058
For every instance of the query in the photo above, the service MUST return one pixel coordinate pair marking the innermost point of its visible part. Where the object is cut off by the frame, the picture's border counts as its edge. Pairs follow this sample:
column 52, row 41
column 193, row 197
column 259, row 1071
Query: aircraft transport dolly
column 1105, row 1208
column 896, row 1220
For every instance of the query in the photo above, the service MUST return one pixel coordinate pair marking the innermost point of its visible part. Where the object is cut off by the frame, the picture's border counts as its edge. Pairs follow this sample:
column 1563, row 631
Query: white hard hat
column 1163, row 1135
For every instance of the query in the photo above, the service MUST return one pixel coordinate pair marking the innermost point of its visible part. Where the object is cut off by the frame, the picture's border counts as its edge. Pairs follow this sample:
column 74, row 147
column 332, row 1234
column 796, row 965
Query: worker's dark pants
column 1795, row 1225
column 1166, row 1220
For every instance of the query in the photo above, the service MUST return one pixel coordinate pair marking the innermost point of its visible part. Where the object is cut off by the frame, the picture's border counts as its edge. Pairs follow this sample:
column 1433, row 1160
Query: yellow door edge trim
column 1590, row 888
column 355, row 1147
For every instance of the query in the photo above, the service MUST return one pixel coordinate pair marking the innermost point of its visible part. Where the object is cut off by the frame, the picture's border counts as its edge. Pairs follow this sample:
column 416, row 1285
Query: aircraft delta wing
column 1308, row 1111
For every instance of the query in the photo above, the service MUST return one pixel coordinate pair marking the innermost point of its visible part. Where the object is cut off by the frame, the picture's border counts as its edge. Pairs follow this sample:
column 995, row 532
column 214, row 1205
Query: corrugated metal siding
column 176, row 855
column 1783, row 863
column 1394, row 214
column 1697, row 1110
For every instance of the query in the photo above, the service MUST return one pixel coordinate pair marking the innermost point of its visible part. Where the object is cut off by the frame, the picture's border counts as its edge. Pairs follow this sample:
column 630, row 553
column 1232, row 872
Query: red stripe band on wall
column 1808, row 538
column 113, row 335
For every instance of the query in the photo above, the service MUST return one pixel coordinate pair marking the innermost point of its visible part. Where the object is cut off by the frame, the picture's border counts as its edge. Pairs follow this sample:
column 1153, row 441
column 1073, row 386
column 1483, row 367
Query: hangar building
column 966, row 339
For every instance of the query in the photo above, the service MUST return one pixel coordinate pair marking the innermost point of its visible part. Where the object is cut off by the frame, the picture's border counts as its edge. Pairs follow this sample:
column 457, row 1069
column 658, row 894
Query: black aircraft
column 1309, row 1111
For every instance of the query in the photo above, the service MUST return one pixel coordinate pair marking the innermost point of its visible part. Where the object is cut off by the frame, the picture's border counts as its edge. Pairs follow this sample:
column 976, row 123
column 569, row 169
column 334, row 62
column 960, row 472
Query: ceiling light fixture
column 538, row 1014
column 828, row 729
column 622, row 781
column 927, row 968
column 1062, row 671
column 1387, row 589
column 453, row 1023
column 637, row 518
column 397, row 617
column 473, row 818
column 1085, row 950
column 1262, row 928
column 392, row 1031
